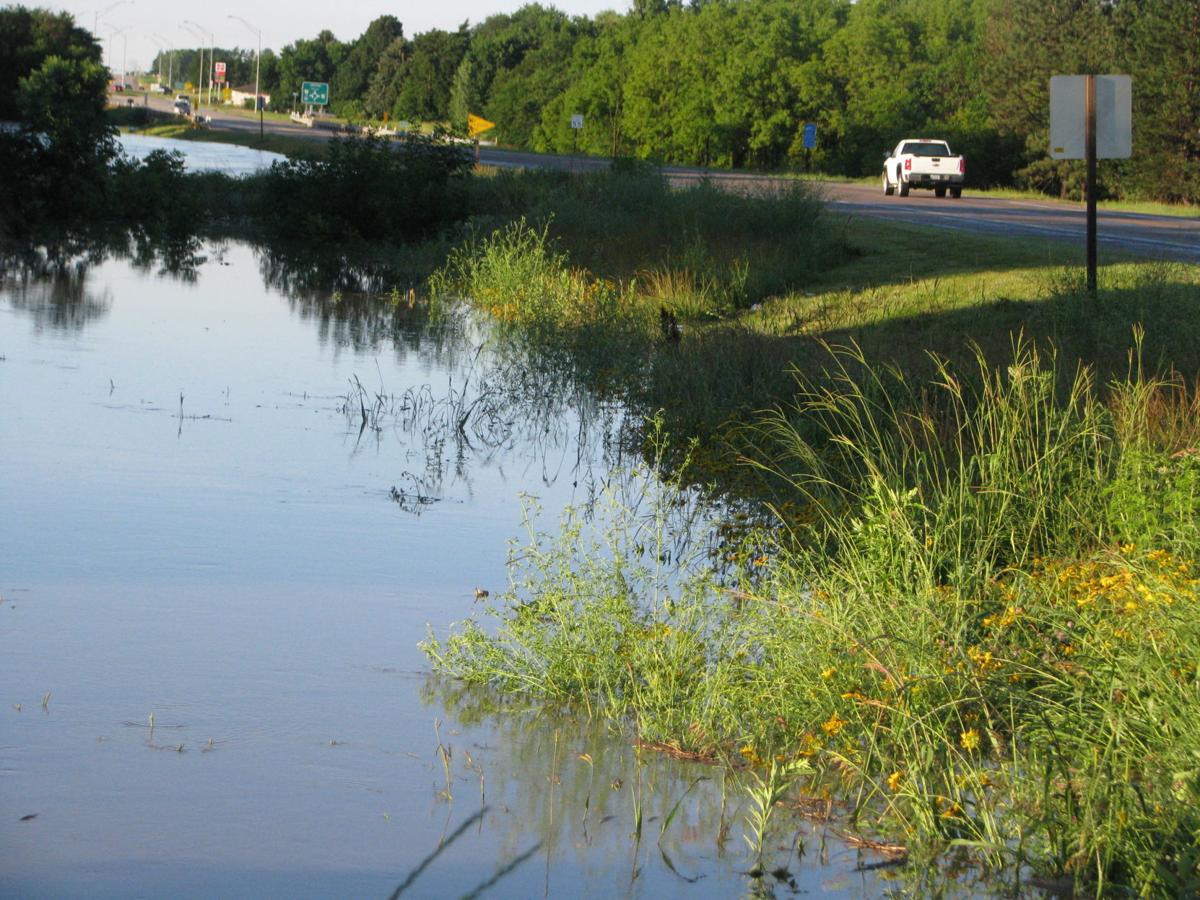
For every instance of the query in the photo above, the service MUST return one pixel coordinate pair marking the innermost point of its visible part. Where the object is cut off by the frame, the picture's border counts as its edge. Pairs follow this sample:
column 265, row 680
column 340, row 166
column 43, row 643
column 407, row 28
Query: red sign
column 219, row 72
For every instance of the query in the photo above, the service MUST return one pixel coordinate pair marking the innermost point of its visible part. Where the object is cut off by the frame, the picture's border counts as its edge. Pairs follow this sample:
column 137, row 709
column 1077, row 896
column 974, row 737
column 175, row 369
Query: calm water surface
column 200, row 156
column 196, row 528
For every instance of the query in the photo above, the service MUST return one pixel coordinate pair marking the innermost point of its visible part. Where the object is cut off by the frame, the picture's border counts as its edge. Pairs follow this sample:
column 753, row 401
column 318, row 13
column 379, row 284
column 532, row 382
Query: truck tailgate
column 935, row 165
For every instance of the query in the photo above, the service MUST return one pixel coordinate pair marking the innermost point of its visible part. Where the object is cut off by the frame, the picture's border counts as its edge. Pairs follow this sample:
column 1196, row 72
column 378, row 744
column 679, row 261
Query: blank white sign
column 1114, row 117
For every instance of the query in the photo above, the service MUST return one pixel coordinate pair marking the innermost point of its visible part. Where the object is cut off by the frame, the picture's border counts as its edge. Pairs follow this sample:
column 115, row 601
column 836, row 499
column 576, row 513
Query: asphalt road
column 1160, row 237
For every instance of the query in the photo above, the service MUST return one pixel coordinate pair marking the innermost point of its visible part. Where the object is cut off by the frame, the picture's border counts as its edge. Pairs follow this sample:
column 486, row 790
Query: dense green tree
column 500, row 43
column 360, row 61
column 520, row 92
column 27, row 38
column 387, row 79
column 596, row 90
column 1024, row 43
column 309, row 60
column 462, row 97
column 425, row 77
column 55, row 164
column 1162, row 52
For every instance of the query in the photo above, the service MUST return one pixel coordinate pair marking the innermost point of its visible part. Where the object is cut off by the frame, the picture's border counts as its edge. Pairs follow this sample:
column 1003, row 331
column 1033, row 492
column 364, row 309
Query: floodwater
column 213, row 581
column 200, row 156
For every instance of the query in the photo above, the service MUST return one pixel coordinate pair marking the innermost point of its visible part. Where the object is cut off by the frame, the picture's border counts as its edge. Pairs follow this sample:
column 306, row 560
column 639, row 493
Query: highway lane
column 1165, row 237
column 1159, row 237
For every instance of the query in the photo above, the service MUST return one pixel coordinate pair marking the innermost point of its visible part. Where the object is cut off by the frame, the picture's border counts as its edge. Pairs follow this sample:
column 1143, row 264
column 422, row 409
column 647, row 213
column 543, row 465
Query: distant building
column 240, row 96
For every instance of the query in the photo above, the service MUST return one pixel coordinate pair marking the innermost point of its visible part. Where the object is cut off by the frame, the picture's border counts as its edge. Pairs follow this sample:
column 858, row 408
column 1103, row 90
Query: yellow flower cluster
column 1117, row 585
column 751, row 755
column 1002, row 620
column 833, row 725
column 983, row 660
column 970, row 739
column 810, row 745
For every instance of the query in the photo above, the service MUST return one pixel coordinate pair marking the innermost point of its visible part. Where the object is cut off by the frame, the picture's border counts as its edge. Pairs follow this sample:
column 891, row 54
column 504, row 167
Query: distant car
column 161, row 89
column 118, row 87
column 183, row 107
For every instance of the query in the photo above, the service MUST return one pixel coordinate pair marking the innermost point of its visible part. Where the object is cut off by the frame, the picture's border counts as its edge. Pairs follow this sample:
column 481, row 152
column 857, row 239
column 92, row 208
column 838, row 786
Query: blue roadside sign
column 810, row 135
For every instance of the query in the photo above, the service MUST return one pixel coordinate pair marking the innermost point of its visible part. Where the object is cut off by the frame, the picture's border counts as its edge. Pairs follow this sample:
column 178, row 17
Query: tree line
column 731, row 83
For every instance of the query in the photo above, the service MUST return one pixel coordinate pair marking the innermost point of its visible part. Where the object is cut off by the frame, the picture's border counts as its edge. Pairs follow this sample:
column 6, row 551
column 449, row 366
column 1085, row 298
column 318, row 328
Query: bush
column 368, row 188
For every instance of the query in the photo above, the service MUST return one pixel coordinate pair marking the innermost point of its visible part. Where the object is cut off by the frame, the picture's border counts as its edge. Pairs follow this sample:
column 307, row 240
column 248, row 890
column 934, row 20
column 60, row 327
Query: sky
column 130, row 28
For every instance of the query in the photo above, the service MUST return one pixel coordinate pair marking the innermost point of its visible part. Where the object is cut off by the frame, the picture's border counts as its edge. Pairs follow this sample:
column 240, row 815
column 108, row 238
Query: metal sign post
column 576, row 125
column 810, row 141
column 1089, row 139
column 1091, row 119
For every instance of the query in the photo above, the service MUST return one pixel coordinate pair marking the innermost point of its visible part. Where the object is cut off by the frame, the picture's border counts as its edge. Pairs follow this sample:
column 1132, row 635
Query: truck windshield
column 926, row 148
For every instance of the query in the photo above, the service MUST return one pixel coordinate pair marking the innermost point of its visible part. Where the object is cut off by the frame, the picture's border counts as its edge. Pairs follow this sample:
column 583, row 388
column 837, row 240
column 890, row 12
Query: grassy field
column 973, row 612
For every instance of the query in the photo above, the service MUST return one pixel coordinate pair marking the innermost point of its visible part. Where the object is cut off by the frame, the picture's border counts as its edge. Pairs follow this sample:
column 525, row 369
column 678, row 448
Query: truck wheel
column 955, row 192
column 902, row 185
column 939, row 192
column 888, row 190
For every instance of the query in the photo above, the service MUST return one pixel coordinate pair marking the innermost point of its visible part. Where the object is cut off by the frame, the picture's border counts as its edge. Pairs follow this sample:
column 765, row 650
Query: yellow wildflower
column 893, row 781
column 828, row 673
column 834, row 725
column 810, row 744
column 970, row 739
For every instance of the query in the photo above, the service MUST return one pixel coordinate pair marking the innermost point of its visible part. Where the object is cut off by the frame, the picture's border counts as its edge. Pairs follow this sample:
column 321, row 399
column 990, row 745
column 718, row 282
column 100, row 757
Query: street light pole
column 205, row 31
column 113, row 31
column 170, row 62
column 97, row 13
column 257, row 64
column 186, row 26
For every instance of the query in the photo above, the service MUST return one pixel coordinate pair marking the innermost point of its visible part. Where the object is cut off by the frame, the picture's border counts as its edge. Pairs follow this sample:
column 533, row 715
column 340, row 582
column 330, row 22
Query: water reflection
column 75, row 254
column 55, row 296
column 629, row 821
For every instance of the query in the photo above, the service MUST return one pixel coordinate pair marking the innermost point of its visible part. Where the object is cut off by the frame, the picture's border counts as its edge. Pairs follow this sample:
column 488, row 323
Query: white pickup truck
column 923, row 163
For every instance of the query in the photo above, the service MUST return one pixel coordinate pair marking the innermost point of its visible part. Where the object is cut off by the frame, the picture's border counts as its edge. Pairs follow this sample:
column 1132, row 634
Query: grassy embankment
column 978, row 616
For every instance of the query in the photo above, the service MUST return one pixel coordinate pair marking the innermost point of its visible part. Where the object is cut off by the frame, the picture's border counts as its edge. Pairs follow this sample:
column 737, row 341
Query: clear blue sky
column 280, row 23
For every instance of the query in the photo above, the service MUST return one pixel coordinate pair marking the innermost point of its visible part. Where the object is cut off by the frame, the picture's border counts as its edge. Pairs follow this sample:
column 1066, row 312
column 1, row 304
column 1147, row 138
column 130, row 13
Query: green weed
column 979, row 624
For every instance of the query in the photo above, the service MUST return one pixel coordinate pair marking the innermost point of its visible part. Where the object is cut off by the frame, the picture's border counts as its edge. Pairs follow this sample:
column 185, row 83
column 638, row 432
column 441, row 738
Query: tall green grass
column 980, row 624
column 701, row 252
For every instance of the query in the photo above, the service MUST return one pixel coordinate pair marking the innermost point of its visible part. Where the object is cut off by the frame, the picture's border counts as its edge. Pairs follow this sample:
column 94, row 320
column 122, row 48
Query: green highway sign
column 314, row 93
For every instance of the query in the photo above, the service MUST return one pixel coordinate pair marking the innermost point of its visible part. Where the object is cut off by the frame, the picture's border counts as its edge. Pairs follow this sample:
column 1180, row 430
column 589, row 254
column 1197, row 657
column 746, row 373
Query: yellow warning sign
column 477, row 124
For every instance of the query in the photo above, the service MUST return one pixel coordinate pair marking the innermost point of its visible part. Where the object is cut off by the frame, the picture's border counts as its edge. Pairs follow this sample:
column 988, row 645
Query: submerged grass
column 981, row 622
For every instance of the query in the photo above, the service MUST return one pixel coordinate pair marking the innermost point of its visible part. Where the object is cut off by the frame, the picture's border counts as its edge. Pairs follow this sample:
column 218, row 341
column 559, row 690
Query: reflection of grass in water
column 443, row 845
column 603, row 795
